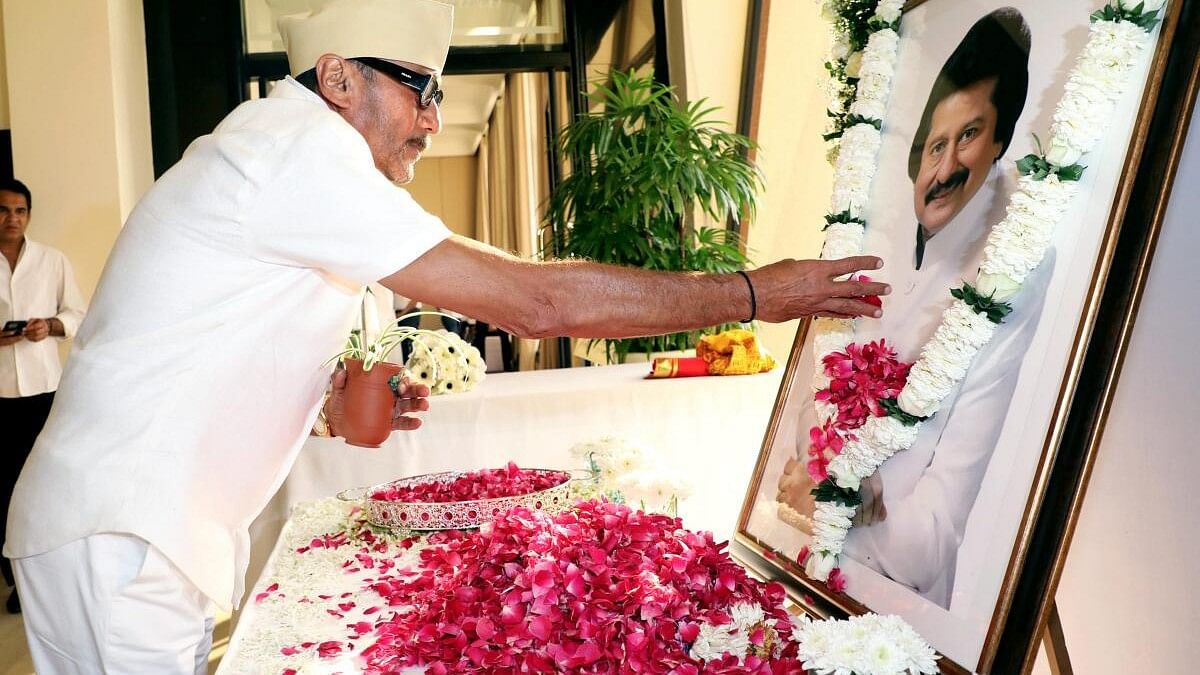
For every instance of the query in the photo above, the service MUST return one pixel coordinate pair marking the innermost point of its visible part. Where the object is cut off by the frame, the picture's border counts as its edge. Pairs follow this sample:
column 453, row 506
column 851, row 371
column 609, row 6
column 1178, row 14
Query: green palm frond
column 640, row 165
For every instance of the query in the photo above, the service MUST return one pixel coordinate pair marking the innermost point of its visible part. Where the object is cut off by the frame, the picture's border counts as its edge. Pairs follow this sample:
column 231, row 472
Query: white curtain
column 514, row 185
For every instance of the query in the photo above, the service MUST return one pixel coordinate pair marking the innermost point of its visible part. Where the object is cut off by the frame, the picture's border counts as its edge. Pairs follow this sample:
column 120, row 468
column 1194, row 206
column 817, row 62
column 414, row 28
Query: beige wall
column 446, row 187
column 79, row 109
column 1128, row 598
column 791, row 119
column 4, row 123
column 714, row 36
column 792, row 153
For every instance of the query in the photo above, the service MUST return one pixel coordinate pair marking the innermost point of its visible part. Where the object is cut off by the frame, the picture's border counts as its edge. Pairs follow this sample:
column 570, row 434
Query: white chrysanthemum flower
column 820, row 564
column 863, row 645
column 855, row 168
column 889, row 10
column 880, row 654
column 746, row 615
column 888, row 432
column 831, row 521
column 856, row 461
column 842, row 240
column 714, row 642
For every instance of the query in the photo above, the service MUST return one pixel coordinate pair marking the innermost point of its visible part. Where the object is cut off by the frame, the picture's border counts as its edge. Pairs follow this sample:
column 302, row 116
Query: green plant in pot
column 641, row 167
column 372, row 383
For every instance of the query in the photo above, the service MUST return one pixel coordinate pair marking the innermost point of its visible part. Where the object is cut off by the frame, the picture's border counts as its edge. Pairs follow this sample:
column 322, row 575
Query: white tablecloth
column 708, row 428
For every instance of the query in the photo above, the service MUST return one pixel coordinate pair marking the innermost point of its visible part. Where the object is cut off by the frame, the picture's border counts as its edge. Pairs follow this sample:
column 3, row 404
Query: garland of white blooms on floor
column 862, row 72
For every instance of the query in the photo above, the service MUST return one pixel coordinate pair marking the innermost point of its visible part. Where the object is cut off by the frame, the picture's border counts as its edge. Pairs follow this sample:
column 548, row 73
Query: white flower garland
column 1014, row 248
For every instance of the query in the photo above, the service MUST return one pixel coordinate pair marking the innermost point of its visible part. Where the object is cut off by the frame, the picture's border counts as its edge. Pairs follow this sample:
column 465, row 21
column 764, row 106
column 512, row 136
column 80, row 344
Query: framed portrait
column 969, row 526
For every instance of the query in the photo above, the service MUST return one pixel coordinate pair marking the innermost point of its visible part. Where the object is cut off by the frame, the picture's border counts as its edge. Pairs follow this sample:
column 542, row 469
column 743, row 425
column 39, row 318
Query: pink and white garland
column 848, row 446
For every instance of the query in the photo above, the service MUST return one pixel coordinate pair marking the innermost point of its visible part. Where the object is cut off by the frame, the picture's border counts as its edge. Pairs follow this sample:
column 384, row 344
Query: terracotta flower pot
column 367, row 419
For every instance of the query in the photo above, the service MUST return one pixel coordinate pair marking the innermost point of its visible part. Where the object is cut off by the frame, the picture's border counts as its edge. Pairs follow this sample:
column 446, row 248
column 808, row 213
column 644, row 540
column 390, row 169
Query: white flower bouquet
column 871, row 644
column 445, row 362
column 624, row 474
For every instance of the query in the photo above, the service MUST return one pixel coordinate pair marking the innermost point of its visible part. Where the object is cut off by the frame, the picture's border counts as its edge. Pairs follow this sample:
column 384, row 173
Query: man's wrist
column 57, row 329
column 753, row 300
column 322, row 427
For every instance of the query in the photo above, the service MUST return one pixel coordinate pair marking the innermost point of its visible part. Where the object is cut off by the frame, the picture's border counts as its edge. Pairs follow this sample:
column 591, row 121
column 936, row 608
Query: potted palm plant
column 642, row 165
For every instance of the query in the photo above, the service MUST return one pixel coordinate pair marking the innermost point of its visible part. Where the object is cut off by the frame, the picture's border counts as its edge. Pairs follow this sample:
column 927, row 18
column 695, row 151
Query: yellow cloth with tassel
column 733, row 352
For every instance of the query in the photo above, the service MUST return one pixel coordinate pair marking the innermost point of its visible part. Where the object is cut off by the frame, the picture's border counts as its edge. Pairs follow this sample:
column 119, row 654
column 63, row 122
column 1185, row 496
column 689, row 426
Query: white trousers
column 112, row 604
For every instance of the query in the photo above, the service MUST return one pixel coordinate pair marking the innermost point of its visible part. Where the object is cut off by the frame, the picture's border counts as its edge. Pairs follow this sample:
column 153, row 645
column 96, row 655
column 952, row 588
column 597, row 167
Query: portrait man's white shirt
column 930, row 488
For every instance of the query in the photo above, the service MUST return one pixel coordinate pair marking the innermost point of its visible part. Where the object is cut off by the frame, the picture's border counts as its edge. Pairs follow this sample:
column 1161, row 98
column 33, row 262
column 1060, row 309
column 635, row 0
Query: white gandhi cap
column 414, row 31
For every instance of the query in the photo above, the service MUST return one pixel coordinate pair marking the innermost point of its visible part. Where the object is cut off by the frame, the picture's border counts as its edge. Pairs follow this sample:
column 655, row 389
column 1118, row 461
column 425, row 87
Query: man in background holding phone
column 38, row 300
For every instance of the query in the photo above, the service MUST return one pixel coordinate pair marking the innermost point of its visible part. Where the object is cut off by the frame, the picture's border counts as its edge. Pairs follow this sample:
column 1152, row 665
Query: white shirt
column 41, row 287
column 930, row 489
column 199, row 370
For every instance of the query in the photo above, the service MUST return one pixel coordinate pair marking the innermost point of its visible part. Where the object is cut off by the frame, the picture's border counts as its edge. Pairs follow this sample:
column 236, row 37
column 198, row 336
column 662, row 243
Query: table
column 709, row 428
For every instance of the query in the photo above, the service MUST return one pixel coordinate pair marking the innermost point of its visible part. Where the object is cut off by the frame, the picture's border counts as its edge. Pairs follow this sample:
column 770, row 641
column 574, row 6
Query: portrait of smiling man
column 915, row 508
column 968, row 122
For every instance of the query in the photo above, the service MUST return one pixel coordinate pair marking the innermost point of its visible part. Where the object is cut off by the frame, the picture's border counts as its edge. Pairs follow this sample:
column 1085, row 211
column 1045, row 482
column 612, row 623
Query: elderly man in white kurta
column 197, row 373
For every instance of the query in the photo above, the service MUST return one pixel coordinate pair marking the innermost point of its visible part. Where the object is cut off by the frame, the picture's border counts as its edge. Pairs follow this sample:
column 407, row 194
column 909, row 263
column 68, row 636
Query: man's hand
column 37, row 330
column 795, row 490
column 872, row 509
column 10, row 338
column 791, row 288
column 413, row 398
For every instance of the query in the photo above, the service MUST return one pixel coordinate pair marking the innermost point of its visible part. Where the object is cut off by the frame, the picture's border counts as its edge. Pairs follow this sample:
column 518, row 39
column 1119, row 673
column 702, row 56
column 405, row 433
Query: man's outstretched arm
column 584, row 299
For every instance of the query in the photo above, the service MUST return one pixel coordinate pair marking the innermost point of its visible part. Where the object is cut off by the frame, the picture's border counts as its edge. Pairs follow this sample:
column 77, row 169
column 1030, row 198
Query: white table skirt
column 708, row 428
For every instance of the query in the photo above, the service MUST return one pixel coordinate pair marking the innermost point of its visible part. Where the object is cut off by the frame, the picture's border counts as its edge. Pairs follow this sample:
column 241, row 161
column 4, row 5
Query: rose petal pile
column 598, row 589
column 510, row 481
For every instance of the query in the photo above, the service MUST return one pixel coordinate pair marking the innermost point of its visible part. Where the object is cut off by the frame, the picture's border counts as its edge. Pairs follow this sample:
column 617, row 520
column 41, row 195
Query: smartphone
column 15, row 327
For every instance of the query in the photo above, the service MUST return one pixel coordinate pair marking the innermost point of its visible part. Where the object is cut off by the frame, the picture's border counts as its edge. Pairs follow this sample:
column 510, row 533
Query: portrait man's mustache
column 955, row 180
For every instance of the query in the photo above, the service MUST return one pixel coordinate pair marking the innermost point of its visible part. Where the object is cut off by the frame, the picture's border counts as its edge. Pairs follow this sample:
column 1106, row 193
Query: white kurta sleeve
column 917, row 544
column 71, row 306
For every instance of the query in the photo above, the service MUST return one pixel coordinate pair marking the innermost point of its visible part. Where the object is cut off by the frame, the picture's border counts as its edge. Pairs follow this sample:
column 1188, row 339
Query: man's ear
column 336, row 80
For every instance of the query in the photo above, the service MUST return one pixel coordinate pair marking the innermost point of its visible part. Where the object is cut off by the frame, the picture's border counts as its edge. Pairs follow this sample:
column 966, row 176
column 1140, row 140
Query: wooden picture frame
column 1081, row 391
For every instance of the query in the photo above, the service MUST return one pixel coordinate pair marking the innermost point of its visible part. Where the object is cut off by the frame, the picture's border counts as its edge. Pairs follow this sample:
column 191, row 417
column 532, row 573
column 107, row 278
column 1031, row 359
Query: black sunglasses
column 427, row 86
